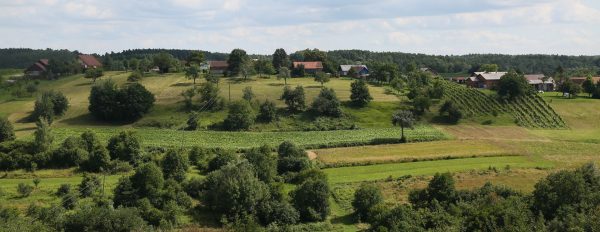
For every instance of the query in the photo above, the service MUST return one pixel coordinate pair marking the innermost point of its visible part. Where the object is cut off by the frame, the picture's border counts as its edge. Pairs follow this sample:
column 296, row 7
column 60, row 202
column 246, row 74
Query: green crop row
column 529, row 111
column 244, row 140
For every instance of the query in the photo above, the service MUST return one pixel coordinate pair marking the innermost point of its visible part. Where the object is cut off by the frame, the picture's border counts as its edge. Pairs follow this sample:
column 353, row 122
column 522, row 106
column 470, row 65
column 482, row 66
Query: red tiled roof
column 218, row 64
column 90, row 61
column 310, row 65
column 44, row 62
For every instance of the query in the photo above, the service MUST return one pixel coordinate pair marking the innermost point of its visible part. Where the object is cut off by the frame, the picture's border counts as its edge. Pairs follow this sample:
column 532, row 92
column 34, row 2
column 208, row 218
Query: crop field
column 396, row 170
column 241, row 140
column 529, row 111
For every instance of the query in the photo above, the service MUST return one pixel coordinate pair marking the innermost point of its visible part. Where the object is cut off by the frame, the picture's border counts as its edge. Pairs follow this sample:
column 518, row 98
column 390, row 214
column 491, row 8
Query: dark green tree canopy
column 360, row 95
column 237, row 59
column 327, row 104
column 513, row 85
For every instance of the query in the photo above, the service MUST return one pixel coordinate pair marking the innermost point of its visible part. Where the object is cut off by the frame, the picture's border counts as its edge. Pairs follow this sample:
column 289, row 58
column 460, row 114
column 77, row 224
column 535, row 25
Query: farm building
column 37, row 69
column 310, row 67
column 89, row 61
column 426, row 69
column 540, row 82
column 459, row 80
column 485, row 80
column 361, row 70
column 218, row 67
column 580, row 80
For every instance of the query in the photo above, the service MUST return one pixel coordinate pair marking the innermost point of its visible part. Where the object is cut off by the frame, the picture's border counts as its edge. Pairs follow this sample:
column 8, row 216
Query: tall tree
column 195, row 58
column 360, row 95
column 7, row 132
column 513, row 85
column 43, row 135
column 192, row 72
column 404, row 119
column 280, row 59
column 588, row 86
column 163, row 61
column 284, row 73
column 322, row 78
column 236, row 60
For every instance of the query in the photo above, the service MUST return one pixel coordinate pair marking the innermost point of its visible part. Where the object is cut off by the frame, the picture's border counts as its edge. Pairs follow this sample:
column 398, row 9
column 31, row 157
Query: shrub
column 175, row 165
column 365, row 198
column 327, row 104
column 43, row 136
column 90, row 218
column 221, row 160
column 234, row 190
column 360, row 95
column 451, row 112
column 63, row 189
column 24, row 189
column 240, row 116
column 209, row 97
column 99, row 160
column 263, row 163
column 135, row 76
column 50, row 105
column 311, row 199
column 294, row 99
column 90, row 184
column 7, row 132
column 291, row 158
column 513, row 85
column 126, row 147
column 69, row 200
column 421, row 104
column 193, row 121
column 134, row 101
column 248, row 94
column 267, row 111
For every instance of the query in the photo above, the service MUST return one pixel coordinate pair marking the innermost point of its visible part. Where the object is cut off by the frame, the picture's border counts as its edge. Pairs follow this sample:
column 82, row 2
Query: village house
column 360, row 70
column 459, row 80
column 89, row 61
column 37, row 69
column 484, row 80
column 218, row 66
column 310, row 67
column 539, row 82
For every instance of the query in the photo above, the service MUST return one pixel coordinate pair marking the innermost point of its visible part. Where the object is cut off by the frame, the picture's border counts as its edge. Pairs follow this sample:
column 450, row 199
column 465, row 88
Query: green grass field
column 409, row 152
column 395, row 170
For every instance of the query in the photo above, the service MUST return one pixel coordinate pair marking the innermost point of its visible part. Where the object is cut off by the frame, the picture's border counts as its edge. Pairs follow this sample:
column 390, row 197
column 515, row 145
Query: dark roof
column 90, row 61
column 218, row 64
column 310, row 65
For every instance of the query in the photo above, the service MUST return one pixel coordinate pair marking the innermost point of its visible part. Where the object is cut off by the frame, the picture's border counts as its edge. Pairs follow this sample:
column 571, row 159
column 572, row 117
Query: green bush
column 134, row 102
column 24, row 189
column 267, row 111
column 240, row 116
column 311, row 199
column 360, row 95
column 327, row 104
column 7, row 132
column 175, row 165
column 365, row 198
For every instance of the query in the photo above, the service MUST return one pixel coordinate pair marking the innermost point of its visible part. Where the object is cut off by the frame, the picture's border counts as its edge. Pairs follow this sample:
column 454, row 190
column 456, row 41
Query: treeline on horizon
column 547, row 64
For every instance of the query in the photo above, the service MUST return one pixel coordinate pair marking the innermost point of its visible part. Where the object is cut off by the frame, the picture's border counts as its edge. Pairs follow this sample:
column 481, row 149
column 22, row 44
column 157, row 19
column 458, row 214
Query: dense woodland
column 22, row 58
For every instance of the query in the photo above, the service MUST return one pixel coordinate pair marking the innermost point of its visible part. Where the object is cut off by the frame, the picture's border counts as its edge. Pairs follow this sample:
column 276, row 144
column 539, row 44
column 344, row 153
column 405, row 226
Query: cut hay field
column 396, row 170
column 450, row 149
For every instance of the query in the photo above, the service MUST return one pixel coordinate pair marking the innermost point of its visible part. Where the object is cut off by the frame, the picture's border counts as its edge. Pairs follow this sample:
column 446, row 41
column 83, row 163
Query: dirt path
column 311, row 155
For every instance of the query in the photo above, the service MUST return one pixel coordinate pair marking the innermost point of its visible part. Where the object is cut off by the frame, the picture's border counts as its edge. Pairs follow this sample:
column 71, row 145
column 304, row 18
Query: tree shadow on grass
column 85, row 84
column 347, row 219
column 89, row 120
column 182, row 84
column 276, row 84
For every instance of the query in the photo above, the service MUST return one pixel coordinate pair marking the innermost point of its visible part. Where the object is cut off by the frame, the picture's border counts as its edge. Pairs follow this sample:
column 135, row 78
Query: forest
column 22, row 58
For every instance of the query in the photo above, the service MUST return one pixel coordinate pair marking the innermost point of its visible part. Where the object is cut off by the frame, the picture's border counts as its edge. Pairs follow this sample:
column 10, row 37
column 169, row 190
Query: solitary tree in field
column 588, row 86
column 322, row 78
column 360, row 95
column 284, row 73
column 404, row 119
column 280, row 59
column 192, row 72
column 237, row 59
column 7, row 132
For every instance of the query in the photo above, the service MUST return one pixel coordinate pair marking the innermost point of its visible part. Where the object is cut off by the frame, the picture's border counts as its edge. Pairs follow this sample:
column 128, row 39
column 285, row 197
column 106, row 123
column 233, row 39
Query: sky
column 569, row 27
